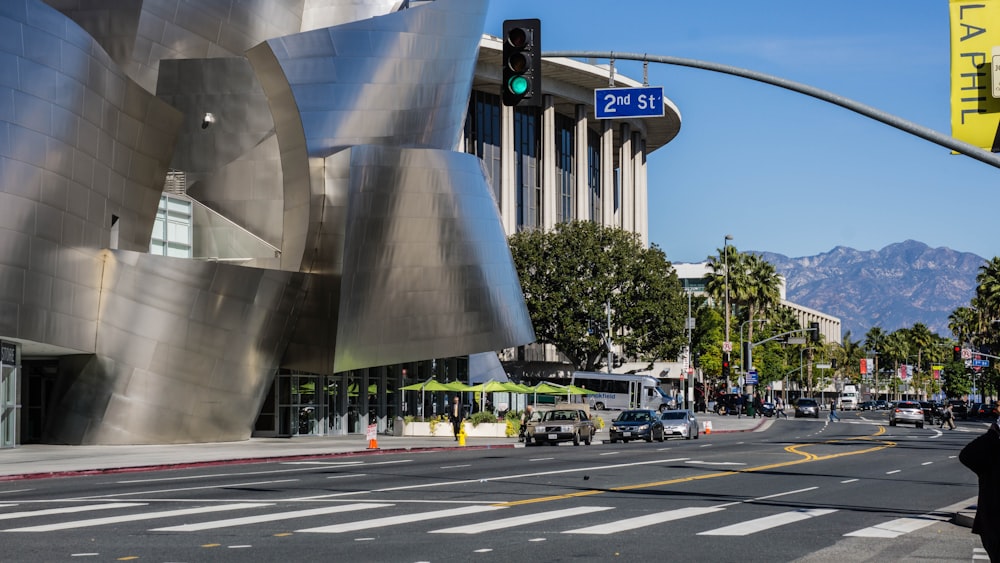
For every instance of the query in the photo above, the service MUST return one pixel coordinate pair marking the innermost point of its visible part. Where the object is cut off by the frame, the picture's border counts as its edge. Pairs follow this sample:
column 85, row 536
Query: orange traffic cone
column 373, row 444
column 708, row 427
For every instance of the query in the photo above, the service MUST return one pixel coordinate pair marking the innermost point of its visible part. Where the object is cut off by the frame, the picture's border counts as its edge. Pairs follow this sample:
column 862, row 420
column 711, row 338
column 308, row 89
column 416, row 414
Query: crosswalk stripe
column 68, row 510
column 141, row 516
column 520, row 520
column 766, row 523
column 896, row 528
column 215, row 524
column 648, row 520
column 401, row 519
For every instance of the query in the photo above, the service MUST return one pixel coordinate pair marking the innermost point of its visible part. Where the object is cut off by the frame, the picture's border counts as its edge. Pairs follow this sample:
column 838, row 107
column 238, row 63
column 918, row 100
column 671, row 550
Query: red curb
column 237, row 461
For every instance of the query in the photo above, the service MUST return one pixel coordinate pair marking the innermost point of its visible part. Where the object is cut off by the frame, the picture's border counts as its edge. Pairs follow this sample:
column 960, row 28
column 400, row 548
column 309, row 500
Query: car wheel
column 688, row 437
column 614, row 441
column 696, row 434
column 661, row 438
column 576, row 438
column 624, row 441
column 892, row 423
column 598, row 406
column 920, row 425
column 589, row 437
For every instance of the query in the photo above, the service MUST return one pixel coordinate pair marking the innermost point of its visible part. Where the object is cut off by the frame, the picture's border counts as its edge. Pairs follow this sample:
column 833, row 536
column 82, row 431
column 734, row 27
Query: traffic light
column 522, row 62
column 814, row 331
column 725, row 364
column 956, row 354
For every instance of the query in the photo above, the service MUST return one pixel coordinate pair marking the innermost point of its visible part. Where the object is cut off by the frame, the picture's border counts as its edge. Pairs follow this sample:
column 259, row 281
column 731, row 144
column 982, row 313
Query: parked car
column 866, row 406
column 680, row 423
column 637, row 424
column 805, row 407
column 561, row 425
column 882, row 405
column 909, row 412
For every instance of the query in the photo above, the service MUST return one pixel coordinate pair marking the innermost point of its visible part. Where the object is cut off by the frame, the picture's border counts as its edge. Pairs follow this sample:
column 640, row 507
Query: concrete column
column 550, row 188
column 608, row 174
column 582, row 193
column 627, row 171
column 641, row 191
column 508, row 172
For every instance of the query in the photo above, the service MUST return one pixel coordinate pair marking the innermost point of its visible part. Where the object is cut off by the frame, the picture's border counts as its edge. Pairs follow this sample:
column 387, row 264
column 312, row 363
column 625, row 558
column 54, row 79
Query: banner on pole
column 975, row 113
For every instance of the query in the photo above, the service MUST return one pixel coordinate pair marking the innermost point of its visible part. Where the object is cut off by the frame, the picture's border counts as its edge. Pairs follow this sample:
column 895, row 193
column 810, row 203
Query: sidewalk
column 39, row 460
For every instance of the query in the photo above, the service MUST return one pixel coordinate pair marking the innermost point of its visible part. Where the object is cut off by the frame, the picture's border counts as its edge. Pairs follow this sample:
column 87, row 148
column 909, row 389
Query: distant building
column 692, row 277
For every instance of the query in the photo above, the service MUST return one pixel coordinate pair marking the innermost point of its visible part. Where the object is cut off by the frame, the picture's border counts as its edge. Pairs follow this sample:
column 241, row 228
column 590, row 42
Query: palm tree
column 761, row 290
column 988, row 288
column 875, row 341
column 716, row 283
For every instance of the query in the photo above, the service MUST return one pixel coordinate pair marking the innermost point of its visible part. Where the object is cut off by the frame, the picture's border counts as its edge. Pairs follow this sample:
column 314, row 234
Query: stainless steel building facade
column 229, row 217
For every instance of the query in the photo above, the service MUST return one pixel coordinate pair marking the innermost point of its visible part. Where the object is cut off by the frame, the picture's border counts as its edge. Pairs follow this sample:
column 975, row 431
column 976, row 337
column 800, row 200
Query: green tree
column 571, row 275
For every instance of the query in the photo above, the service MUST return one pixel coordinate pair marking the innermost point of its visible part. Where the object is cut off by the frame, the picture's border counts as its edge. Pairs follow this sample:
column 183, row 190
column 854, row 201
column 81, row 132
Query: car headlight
column 643, row 427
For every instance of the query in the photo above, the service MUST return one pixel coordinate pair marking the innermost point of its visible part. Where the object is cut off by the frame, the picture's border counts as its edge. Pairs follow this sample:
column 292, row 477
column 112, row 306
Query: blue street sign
column 752, row 377
column 980, row 363
column 616, row 103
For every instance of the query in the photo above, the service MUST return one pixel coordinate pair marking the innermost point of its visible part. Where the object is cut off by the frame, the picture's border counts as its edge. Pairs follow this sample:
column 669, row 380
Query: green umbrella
column 493, row 386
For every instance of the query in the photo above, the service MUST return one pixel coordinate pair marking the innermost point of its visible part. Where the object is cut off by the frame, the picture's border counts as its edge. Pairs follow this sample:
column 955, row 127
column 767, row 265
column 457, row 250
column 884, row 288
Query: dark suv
column 932, row 412
column 959, row 408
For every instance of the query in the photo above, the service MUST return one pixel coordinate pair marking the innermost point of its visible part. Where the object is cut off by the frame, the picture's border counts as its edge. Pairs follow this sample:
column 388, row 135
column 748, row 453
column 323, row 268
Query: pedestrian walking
column 779, row 408
column 525, row 417
column 455, row 416
column 833, row 411
column 947, row 417
column 982, row 456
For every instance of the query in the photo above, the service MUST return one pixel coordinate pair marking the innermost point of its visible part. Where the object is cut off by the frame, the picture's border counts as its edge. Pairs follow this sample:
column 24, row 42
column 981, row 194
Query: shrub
column 482, row 417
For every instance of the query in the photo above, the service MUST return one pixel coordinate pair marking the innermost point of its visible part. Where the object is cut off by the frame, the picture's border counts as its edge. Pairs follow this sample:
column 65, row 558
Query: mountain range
column 895, row 287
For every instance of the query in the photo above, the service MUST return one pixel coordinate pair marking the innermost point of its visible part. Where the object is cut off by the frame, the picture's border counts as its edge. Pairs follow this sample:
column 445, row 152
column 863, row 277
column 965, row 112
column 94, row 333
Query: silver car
column 908, row 412
column 680, row 423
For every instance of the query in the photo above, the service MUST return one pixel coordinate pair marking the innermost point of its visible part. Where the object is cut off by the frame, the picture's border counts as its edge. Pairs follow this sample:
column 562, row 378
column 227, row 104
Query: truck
column 849, row 398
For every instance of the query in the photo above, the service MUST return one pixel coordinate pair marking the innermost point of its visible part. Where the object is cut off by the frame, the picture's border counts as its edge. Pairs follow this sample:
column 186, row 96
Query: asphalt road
column 803, row 490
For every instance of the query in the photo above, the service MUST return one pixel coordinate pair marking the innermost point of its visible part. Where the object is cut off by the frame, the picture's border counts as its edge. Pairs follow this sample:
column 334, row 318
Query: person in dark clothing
column 982, row 456
column 455, row 416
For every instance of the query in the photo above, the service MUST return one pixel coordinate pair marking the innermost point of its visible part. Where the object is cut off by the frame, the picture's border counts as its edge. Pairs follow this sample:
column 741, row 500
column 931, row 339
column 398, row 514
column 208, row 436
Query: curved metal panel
column 173, row 29
column 185, row 352
column 83, row 154
column 428, row 273
column 318, row 14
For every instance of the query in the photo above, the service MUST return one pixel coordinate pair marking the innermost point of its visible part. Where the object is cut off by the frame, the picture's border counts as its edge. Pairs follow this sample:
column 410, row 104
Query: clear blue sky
column 780, row 171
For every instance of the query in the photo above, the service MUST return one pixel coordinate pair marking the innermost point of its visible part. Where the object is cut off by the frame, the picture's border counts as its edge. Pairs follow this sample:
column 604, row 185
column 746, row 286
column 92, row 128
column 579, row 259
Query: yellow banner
column 975, row 31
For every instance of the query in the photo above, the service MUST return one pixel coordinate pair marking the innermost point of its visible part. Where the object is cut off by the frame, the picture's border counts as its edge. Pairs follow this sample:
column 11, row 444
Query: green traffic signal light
column 517, row 85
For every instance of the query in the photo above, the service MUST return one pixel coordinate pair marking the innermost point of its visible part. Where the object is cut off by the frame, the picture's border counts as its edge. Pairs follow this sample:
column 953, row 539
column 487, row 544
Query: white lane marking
column 312, row 467
column 979, row 554
column 775, row 495
column 68, row 509
column 540, row 458
column 714, row 462
column 897, row 527
column 274, row 516
column 349, row 475
column 609, row 453
column 849, row 481
column 141, row 516
column 927, row 463
column 520, row 520
column 228, row 486
column 767, row 522
column 893, row 471
column 15, row 491
column 400, row 519
column 497, row 478
column 705, row 446
column 84, row 554
column 645, row 520
column 455, row 466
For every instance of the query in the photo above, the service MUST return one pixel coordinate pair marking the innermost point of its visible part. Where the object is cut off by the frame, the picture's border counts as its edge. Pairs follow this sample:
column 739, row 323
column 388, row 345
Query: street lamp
column 725, row 260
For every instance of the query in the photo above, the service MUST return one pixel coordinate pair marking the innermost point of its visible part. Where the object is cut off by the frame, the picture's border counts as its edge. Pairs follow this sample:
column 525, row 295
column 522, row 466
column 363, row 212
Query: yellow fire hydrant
column 461, row 433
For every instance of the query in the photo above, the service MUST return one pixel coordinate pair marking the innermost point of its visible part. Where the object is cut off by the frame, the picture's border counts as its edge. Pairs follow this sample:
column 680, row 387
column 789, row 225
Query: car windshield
column 634, row 416
column 806, row 403
column 674, row 415
column 559, row 415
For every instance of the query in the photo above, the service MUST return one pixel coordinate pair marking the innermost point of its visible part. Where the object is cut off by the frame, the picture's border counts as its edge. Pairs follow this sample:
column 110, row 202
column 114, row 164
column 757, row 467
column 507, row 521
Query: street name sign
column 980, row 363
column 752, row 377
column 618, row 103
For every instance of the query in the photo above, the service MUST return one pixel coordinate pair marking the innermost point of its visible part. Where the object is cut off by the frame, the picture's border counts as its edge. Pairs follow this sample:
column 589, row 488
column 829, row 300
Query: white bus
column 621, row 391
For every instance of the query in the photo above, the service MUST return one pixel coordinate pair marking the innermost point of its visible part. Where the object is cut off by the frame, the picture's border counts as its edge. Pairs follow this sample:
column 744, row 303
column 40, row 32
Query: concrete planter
column 443, row 430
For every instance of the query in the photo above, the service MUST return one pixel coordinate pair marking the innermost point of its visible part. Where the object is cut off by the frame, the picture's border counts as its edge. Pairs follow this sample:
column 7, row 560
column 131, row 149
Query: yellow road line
column 794, row 449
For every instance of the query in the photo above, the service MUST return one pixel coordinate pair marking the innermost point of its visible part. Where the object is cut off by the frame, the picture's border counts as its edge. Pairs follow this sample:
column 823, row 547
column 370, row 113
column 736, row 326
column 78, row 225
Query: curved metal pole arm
column 925, row 133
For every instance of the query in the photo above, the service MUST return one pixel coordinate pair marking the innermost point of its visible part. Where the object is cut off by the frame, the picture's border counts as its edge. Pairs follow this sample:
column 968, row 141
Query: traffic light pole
column 910, row 127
